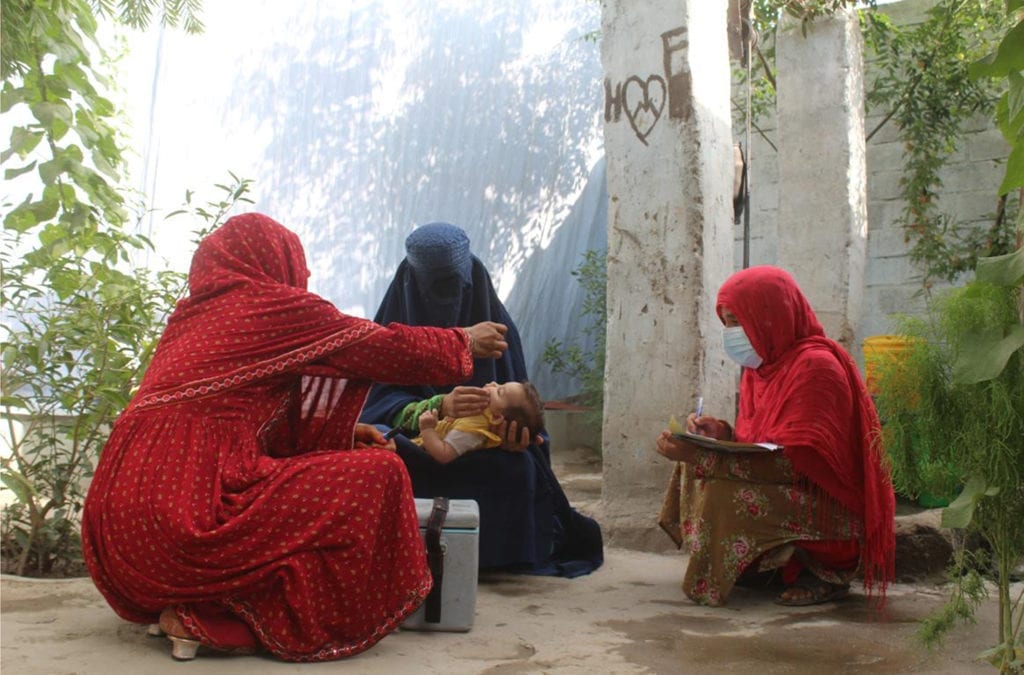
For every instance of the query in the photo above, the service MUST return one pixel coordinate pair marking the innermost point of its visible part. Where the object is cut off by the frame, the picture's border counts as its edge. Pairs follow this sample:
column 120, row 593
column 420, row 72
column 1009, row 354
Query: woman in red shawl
column 820, row 510
column 237, row 500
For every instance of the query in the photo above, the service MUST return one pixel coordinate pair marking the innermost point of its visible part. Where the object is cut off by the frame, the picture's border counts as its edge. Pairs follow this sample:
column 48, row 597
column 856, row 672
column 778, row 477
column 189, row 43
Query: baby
column 450, row 438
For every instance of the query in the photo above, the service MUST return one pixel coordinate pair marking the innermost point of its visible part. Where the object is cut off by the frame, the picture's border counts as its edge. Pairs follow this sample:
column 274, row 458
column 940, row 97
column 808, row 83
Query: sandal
column 183, row 644
column 815, row 592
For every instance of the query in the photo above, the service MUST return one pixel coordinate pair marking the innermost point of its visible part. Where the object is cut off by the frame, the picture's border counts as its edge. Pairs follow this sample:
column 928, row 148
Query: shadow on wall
column 383, row 118
column 546, row 301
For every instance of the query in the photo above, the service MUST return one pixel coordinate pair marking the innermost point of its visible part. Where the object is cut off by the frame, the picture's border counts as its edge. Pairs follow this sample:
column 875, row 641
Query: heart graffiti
column 644, row 100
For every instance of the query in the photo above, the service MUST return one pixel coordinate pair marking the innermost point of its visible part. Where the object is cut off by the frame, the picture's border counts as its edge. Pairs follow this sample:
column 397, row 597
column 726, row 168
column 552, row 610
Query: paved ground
column 628, row 617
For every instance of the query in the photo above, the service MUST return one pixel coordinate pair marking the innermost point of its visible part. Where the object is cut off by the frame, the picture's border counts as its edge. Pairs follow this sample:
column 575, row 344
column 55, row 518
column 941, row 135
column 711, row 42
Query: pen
column 392, row 433
column 700, row 406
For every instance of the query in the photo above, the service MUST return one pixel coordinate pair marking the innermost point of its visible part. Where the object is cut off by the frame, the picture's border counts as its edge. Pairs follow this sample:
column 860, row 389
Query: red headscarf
column 248, row 316
column 808, row 395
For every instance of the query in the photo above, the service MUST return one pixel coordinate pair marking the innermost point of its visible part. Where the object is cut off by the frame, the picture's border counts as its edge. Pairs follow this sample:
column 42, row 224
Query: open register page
column 708, row 443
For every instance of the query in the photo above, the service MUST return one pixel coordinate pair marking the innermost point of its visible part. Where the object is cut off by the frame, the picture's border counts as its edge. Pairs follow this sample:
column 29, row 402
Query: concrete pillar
column 822, row 167
column 668, row 146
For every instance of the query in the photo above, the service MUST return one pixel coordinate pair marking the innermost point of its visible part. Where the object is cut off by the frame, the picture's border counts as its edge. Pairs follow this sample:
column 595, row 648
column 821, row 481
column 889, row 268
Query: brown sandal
column 816, row 591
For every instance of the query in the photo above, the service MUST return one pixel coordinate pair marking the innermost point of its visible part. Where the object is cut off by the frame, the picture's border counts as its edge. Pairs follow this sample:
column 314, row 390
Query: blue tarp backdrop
column 360, row 120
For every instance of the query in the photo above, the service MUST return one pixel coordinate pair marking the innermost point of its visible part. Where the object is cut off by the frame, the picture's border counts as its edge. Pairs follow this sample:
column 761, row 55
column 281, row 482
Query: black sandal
column 818, row 591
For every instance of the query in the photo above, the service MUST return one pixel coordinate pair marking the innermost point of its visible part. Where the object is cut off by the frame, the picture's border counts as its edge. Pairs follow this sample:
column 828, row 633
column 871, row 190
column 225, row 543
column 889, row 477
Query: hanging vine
column 919, row 79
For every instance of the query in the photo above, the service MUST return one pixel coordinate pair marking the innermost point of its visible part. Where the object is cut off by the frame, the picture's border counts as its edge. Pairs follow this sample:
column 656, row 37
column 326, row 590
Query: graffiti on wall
column 642, row 100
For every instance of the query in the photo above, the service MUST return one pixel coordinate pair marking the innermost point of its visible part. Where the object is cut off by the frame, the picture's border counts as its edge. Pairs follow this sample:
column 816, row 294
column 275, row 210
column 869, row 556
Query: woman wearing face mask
column 812, row 516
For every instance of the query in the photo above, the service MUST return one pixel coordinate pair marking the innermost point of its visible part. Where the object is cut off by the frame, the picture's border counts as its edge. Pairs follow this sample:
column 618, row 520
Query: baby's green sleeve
column 408, row 418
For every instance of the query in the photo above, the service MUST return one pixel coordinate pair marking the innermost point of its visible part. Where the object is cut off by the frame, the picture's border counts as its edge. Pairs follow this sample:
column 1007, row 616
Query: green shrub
column 573, row 358
column 953, row 417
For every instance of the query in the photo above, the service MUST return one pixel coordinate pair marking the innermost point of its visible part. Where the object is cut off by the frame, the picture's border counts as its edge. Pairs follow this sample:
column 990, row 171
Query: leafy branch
column 80, row 320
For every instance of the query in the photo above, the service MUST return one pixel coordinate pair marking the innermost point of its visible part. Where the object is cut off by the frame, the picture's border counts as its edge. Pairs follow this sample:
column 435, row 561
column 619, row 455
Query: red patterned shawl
column 808, row 395
column 249, row 316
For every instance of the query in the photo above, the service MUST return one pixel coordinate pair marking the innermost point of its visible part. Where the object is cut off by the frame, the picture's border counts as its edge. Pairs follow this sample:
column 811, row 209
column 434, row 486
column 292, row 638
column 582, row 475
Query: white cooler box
column 453, row 552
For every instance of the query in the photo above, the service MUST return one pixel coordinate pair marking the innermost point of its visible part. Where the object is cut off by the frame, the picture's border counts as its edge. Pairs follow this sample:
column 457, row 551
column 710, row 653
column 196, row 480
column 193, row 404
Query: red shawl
column 808, row 395
column 249, row 316
column 228, row 490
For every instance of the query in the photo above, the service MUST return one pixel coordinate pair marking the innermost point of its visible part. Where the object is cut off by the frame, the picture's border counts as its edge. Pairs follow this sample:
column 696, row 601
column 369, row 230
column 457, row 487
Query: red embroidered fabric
column 808, row 395
column 229, row 482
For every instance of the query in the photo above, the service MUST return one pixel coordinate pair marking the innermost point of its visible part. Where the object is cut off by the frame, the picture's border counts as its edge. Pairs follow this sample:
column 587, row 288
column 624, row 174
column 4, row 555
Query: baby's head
column 517, row 402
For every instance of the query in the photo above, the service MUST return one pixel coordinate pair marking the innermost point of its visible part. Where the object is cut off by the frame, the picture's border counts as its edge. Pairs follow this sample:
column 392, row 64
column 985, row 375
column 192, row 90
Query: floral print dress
column 734, row 512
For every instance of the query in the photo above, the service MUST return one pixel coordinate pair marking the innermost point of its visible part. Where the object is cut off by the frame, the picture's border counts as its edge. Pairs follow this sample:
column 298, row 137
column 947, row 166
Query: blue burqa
column 526, row 522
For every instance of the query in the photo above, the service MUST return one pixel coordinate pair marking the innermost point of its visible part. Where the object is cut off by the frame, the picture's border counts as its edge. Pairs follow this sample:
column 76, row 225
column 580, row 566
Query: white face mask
column 738, row 347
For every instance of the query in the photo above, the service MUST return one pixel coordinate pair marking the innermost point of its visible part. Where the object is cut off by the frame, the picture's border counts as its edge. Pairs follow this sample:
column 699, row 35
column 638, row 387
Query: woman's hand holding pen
column 709, row 426
column 679, row 449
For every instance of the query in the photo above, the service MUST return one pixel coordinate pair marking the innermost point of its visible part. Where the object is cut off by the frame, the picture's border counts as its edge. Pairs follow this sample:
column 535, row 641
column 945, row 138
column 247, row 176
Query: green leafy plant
column 77, row 336
column 944, row 429
column 79, row 317
column 989, row 364
column 921, row 77
column 586, row 361
column 1006, row 62
column 966, row 596
column 65, row 127
column 992, row 502
column 929, row 417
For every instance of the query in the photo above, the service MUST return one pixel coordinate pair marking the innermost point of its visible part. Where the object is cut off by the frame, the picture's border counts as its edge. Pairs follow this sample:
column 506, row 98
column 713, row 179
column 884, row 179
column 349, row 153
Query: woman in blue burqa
column 526, row 522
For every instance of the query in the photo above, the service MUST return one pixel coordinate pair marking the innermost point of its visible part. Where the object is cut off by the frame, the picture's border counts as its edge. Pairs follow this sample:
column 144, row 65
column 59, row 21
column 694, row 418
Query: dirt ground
column 630, row 616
